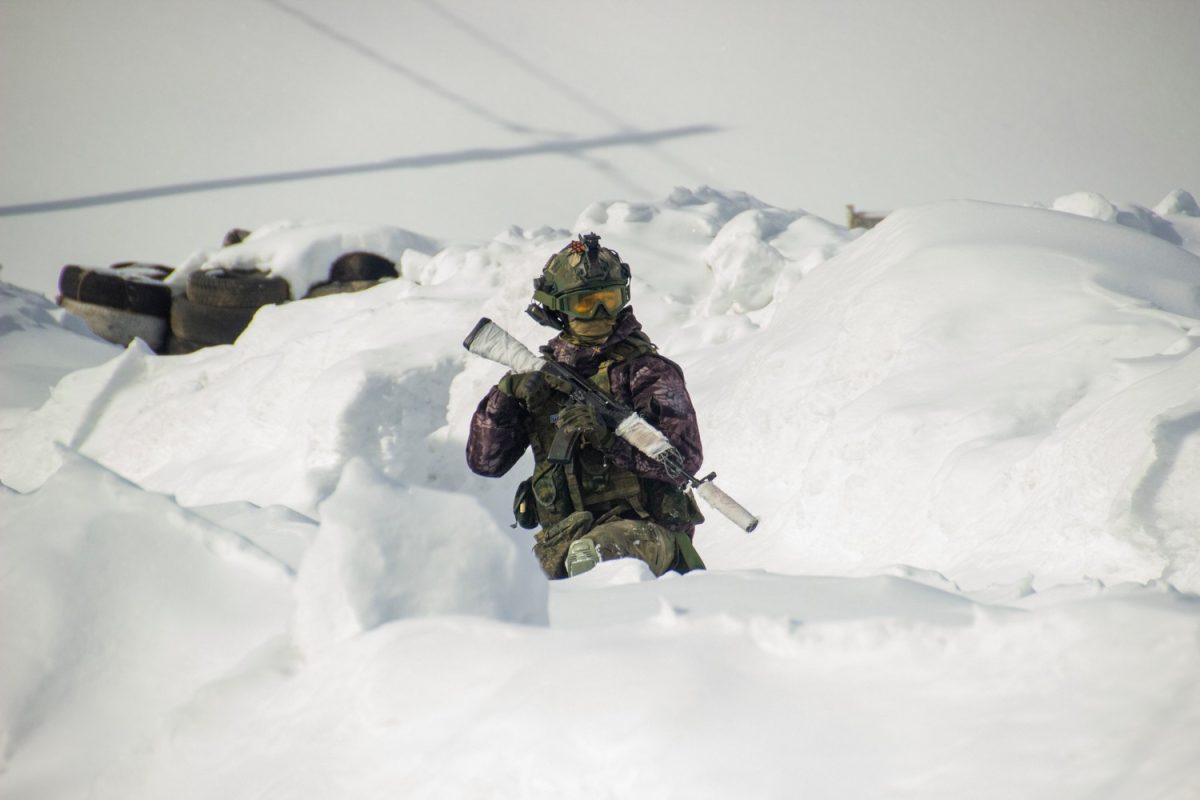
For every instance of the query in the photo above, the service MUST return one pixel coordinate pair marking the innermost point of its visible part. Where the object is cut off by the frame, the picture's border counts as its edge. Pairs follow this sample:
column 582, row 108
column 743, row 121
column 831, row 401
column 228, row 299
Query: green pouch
column 525, row 506
column 687, row 558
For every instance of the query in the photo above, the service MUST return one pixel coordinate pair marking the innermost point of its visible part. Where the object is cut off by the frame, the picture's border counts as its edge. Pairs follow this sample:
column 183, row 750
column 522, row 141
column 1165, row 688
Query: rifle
column 489, row 340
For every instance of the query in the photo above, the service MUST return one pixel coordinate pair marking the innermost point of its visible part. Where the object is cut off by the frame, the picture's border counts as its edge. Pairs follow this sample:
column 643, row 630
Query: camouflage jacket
column 648, row 383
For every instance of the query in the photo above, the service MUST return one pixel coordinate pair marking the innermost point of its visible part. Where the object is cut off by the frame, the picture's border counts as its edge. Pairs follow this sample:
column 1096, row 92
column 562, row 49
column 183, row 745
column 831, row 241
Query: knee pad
column 581, row 556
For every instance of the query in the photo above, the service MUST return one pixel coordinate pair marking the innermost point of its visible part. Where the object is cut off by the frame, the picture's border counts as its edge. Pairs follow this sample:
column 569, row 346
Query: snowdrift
column 991, row 392
column 971, row 434
column 116, row 607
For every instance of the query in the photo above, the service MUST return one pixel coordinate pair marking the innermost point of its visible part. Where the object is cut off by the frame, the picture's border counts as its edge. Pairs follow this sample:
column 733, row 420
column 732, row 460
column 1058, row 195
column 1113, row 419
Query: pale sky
column 143, row 129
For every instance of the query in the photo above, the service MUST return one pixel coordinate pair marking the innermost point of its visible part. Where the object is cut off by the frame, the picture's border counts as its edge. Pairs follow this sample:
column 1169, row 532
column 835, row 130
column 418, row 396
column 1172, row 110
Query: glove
column 587, row 422
column 532, row 388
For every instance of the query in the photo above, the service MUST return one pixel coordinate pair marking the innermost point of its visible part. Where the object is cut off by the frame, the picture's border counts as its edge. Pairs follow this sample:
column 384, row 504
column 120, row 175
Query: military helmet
column 583, row 280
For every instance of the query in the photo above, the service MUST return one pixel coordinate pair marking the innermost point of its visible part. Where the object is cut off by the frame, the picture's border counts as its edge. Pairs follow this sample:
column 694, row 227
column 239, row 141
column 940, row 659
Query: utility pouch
column 686, row 559
column 525, row 506
column 551, row 492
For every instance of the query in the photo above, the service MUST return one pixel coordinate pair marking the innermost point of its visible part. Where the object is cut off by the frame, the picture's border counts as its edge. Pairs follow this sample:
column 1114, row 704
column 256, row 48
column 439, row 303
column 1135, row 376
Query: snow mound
column 273, row 420
column 705, row 252
column 387, row 552
column 39, row 344
column 119, row 612
column 1096, row 206
column 1087, row 204
column 985, row 391
column 1178, row 203
column 971, row 434
column 990, row 706
column 302, row 252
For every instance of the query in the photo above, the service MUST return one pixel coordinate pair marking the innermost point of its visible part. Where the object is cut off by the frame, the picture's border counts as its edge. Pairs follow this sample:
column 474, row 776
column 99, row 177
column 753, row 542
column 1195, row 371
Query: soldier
column 595, row 496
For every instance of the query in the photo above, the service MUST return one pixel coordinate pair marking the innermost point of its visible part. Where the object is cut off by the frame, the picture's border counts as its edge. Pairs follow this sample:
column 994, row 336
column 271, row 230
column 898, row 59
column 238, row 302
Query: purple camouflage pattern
column 649, row 383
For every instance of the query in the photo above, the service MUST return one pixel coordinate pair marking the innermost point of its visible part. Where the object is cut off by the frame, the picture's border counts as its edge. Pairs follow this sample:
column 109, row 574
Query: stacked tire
column 217, row 305
column 119, row 303
column 354, row 272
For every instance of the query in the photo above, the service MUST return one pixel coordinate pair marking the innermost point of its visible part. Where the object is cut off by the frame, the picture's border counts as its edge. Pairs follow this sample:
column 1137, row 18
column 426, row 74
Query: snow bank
column 39, row 344
column 302, row 252
column 971, row 434
column 274, row 419
column 986, row 391
column 990, row 392
column 703, row 252
column 387, row 551
column 1056, row 704
column 116, row 606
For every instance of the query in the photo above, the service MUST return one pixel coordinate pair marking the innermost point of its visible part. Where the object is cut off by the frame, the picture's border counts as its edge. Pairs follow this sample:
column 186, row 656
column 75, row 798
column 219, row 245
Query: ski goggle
column 586, row 304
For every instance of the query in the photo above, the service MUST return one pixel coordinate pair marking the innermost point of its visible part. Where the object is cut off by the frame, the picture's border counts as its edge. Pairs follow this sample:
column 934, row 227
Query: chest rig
column 574, row 476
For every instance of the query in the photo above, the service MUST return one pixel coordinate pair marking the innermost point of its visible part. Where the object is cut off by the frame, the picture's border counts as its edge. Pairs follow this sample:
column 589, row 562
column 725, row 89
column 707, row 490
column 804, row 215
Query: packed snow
column 971, row 433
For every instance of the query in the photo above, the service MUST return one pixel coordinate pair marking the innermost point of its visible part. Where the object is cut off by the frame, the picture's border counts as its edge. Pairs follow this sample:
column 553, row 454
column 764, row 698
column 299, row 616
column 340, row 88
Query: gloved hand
column 587, row 422
column 532, row 388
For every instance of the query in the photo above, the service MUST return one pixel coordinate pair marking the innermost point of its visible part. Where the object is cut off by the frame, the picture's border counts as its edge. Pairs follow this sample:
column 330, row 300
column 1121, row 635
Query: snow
column 302, row 252
column 42, row 343
column 370, row 564
column 124, row 606
column 674, row 706
column 971, row 433
column 1012, row 360
column 1178, row 203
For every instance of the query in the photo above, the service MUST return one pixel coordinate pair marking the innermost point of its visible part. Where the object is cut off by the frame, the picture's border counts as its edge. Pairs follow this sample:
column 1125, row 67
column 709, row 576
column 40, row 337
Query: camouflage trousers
column 614, row 538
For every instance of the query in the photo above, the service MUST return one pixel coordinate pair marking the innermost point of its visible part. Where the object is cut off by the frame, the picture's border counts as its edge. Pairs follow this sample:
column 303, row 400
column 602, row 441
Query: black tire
column 181, row 347
column 208, row 325
column 236, row 289
column 127, row 291
column 361, row 266
column 234, row 236
column 68, row 281
column 340, row 287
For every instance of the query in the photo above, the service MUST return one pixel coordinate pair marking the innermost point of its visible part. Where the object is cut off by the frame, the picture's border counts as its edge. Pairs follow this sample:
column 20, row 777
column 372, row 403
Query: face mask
column 590, row 331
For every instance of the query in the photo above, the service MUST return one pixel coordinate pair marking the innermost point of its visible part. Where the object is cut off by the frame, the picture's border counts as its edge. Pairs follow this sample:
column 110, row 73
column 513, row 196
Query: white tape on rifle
column 493, row 342
column 722, row 502
column 643, row 436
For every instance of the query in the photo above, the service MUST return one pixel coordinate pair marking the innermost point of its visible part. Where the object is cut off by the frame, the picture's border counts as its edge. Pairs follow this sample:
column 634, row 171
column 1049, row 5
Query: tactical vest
column 588, row 481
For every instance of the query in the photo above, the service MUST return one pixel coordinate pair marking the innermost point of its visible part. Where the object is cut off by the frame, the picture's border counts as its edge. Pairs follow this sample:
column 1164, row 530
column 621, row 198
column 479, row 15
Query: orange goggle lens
column 586, row 304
